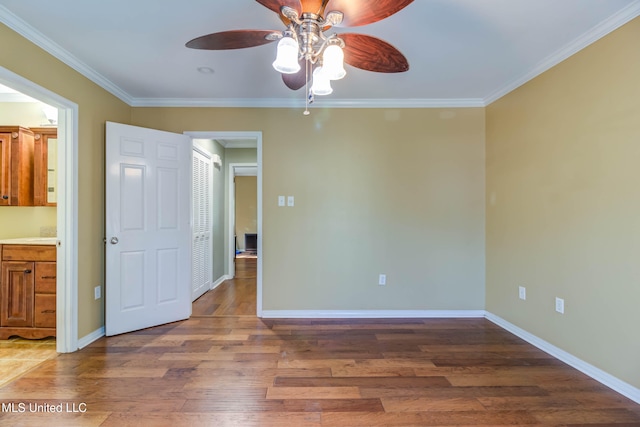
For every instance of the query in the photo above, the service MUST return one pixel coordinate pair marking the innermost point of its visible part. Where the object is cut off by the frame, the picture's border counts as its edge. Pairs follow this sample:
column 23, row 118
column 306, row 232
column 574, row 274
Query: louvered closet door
column 202, row 245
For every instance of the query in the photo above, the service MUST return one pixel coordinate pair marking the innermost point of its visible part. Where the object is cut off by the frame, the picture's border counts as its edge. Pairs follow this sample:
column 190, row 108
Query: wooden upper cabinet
column 45, row 164
column 17, row 162
column 5, row 173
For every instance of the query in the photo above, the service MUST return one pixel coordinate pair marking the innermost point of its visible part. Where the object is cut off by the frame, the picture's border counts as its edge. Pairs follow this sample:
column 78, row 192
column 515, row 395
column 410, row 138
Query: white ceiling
column 461, row 52
column 8, row 94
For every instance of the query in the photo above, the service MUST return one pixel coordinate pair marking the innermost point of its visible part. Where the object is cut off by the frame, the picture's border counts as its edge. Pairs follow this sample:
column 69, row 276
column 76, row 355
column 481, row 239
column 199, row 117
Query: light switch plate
column 522, row 292
column 280, row 200
column 290, row 201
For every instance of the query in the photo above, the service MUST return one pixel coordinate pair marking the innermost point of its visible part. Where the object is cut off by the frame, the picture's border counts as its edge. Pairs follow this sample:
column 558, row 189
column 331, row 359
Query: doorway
column 66, row 217
column 243, row 200
column 235, row 146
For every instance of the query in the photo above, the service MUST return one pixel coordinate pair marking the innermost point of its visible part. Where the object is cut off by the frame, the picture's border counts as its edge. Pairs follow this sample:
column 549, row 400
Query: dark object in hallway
column 251, row 243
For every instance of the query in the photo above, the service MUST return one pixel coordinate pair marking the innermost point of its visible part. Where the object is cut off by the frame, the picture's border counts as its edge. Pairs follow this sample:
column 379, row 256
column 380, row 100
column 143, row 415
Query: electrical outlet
column 382, row 280
column 560, row 305
column 97, row 292
column 522, row 292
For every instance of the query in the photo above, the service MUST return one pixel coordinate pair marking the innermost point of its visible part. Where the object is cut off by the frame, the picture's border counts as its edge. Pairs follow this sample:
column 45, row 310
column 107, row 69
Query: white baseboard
column 220, row 280
column 88, row 339
column 597, row 374
column 369, row 314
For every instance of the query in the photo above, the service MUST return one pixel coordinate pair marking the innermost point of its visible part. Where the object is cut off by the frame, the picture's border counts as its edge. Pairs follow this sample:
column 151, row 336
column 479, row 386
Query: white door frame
column 231, row 214
column 67, row 207
column 230, row 240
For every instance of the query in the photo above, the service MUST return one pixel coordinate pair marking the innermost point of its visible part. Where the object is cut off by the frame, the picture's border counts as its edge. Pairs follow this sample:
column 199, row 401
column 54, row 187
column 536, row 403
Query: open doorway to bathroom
column 28, row 232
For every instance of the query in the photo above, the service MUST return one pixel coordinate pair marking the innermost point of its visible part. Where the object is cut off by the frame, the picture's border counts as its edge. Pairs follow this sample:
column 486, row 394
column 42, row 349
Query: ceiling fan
column 306, row 53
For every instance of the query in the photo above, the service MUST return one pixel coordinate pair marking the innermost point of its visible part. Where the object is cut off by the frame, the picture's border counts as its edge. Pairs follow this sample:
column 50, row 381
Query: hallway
column 235, row 297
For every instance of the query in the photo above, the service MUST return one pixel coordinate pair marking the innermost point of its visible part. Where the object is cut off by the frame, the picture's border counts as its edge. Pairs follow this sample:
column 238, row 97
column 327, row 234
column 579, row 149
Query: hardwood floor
column 19, row 355
column 239, row 370
column 235, row 297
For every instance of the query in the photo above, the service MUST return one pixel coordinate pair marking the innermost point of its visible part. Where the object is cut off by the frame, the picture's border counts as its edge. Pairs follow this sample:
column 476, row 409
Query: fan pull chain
column 309, row 97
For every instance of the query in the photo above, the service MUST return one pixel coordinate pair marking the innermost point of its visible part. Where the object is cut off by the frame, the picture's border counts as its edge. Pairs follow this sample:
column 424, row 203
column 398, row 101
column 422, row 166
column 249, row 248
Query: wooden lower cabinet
column 28, row 291
column 17, row 294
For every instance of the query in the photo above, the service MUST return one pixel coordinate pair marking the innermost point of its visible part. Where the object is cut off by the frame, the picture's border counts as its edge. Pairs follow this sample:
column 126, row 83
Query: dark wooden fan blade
column 313, row 6
column 297, row 80
column 372, row 54
column 275, row 5
column 323, row 7
column 236, row 39
column 363, row 12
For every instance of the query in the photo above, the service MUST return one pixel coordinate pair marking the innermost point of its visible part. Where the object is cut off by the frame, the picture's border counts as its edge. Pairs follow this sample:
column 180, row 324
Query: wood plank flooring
column 19, row 355
column 238, row 370
column 235, row 297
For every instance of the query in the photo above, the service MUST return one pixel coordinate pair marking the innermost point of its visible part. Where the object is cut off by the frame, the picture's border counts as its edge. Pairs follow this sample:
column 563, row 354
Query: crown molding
column 36, row 37
column 30, row 33
column 594, row 34
column 299, row 103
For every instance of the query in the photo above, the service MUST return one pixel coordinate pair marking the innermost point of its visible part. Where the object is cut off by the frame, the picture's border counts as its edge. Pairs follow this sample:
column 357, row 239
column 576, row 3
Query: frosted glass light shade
column 333, row 62
column 287, row 56
column 321, row 84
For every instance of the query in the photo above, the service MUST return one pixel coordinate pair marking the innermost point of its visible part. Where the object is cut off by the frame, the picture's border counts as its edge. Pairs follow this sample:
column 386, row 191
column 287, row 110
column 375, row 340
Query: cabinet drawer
column 44, row 311
column 45, row 277
column 28, row 253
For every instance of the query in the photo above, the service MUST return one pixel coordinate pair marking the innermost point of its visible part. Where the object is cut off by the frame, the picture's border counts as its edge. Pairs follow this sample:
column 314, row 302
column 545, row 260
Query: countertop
column 30, row 241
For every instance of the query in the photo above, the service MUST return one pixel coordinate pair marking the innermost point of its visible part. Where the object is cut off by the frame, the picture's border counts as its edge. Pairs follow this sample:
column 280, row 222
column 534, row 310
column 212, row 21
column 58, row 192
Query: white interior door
column 202, row 258
column 148, row 230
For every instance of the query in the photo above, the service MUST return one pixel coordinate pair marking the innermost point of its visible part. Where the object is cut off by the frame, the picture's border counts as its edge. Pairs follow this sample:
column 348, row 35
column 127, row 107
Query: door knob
column 114, row 240
column 5, row 197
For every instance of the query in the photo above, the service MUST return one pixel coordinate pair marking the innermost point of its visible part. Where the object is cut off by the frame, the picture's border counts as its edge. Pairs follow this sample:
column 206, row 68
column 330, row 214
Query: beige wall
column 95, row 107
column 27, row 114
column 234, row 155
column 563, row 204
column 246, row 207
column 26, row 221
column 399, row 192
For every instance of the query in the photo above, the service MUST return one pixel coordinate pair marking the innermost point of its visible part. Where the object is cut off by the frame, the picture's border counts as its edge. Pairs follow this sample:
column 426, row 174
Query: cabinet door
column 22, row 168
column 44, row 168
column 5, row 173
column 17, row 294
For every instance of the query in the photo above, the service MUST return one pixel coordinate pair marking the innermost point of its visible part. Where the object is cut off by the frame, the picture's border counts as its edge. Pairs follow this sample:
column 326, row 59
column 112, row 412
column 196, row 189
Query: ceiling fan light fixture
column 287, row 56
column 305, row 41
column 333, row 62
column 321, row 83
